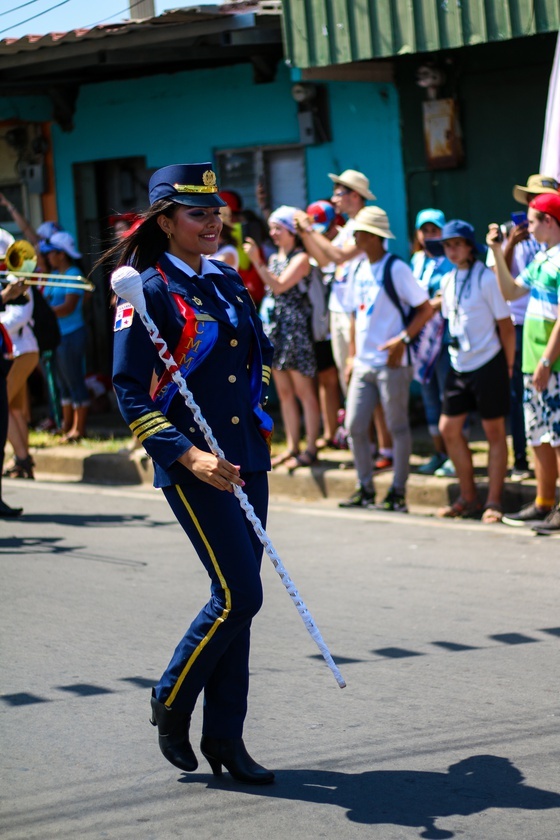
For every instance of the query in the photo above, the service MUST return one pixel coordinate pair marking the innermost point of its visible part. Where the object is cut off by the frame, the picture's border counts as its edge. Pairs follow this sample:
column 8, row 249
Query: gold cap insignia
column 209, row 178
column 197, row 301
column 209, row 184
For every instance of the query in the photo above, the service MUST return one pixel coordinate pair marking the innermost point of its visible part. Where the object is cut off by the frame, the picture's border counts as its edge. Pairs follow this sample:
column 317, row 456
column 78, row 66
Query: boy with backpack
column 389, row 309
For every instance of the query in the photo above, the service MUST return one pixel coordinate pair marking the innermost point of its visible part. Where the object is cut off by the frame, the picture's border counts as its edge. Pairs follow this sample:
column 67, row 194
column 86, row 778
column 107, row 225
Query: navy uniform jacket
column 227, row 369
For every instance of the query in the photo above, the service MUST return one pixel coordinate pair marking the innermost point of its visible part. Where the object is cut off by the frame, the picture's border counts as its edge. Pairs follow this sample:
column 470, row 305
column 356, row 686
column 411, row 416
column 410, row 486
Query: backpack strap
column 389, row 287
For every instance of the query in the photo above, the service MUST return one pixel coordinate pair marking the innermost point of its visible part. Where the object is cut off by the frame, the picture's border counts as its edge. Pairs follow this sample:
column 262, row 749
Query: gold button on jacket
column 232, row 378
column 235, row 420
column 233, row 342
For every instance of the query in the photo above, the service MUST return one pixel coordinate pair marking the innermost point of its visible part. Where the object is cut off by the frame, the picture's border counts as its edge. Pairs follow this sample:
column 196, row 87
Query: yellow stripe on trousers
column 202, row 644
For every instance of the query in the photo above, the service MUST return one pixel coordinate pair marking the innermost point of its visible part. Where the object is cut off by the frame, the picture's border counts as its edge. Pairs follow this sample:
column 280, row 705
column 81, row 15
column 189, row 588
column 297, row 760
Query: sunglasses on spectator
column 338, row 193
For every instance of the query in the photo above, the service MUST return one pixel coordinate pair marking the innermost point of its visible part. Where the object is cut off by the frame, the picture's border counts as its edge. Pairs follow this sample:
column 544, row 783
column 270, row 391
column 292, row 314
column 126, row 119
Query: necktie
column 208, row 290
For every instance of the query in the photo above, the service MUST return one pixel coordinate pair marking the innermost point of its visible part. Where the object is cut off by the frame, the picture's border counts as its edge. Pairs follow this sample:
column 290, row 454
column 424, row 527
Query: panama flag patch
column 123, row 317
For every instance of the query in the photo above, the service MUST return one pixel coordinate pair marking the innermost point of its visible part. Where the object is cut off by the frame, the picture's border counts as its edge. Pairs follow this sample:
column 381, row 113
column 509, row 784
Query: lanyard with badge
column 457, row 326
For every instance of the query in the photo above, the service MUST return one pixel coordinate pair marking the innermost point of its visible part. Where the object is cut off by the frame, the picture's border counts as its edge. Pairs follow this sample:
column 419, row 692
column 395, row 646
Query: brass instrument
column 21, row 260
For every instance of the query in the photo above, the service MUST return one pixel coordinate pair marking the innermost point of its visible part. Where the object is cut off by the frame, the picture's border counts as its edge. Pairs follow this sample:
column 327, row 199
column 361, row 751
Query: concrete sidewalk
column 332, row 477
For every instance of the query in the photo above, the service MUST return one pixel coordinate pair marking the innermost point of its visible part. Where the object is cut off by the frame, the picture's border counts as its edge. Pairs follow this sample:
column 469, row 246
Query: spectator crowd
column 474, row 323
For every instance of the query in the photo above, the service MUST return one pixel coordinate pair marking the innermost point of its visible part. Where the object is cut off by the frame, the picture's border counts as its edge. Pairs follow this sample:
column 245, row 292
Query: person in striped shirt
column 541, row 356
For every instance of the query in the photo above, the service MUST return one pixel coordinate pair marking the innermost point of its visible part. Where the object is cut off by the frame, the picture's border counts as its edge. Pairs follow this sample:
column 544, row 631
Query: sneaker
column 394, row 502
column 551, row 525
column 382, row 463
column 435, row 462
column 528, row 515
column 520, row 474
column 360, row 498
column 447, row 470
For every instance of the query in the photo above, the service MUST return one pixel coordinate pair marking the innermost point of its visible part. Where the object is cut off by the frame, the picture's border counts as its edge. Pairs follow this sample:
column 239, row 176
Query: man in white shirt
column 381, row 291
column 350, row 193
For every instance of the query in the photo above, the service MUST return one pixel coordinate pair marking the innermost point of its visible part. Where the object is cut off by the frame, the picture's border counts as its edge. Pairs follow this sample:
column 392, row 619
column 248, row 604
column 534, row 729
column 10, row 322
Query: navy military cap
column 186, row 183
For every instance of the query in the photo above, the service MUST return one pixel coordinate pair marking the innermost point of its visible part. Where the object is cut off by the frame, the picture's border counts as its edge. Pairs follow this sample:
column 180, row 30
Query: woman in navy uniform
column 211, row 326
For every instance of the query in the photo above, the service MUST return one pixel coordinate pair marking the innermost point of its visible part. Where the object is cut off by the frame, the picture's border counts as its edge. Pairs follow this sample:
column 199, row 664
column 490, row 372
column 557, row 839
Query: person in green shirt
column 541, row 356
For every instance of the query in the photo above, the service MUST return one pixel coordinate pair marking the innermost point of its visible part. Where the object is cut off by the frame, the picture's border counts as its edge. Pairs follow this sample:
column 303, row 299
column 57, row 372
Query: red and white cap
column 323, row 214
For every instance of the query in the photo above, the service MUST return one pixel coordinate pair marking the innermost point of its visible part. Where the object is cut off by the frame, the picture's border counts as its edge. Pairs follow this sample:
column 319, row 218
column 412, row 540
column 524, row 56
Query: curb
column 330, row 478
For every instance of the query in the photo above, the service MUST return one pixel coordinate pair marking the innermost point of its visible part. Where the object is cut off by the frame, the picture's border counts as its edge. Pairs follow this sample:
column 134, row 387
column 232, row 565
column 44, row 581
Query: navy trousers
column 213, row 655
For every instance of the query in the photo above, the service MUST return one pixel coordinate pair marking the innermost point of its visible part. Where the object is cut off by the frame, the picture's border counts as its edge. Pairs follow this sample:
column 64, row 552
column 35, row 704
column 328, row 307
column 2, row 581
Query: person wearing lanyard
column 210, row 324
column 481, row 364
column 428, row 271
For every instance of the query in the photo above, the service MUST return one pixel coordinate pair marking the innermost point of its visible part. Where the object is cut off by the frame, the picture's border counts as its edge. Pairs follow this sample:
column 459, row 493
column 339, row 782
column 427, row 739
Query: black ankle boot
column 173, row 730
column 232, row 754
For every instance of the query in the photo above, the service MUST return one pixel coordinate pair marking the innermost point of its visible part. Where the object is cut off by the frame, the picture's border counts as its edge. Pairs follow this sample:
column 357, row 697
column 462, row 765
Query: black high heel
column 173, row 731
column 232, row 754
column 7, row 512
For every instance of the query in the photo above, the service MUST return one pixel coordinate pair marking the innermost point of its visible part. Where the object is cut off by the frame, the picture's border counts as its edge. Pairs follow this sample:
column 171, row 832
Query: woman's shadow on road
column 415, row 798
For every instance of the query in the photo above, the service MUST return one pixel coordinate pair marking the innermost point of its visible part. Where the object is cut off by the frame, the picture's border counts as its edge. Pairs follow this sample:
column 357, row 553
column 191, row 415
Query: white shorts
column 541, row 410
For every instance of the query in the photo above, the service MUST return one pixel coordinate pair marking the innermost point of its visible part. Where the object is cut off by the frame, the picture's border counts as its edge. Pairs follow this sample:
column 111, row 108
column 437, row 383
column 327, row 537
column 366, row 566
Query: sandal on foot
column 282, row 457
column 461, row 509
column 303, row 459
column 325, row 443
column 492, row 514
column 21, row 468
column 74, row 437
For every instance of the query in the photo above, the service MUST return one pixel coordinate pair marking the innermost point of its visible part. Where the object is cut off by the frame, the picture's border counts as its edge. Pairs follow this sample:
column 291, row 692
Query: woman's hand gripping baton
column 127, row 284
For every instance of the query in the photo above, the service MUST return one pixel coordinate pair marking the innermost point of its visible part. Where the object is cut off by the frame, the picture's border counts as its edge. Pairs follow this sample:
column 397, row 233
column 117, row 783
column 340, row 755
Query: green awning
column 318, row 33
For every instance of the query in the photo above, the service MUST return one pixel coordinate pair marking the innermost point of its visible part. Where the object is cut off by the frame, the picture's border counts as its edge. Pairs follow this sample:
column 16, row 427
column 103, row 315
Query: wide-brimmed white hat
column 373, row 220
column 354, row 180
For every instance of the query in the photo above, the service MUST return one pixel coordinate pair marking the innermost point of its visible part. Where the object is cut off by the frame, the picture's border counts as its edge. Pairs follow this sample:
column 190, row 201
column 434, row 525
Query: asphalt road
column 448, row 635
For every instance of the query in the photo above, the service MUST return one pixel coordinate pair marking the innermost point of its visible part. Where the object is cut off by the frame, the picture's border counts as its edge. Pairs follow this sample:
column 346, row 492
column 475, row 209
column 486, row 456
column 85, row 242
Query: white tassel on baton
column 127, row 284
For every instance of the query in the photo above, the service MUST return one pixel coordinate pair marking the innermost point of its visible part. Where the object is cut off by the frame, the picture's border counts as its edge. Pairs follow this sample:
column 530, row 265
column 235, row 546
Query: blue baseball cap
column 193, row 184
column 452, row 229
column 430, row 214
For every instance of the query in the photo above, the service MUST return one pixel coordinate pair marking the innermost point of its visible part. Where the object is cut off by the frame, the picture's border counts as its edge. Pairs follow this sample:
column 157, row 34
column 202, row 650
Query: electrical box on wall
column 313, row 113
column 307, row 133
column 33, row 176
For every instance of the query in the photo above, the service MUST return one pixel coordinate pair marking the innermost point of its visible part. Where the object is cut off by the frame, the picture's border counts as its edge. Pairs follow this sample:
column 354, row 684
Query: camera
column 519, row 218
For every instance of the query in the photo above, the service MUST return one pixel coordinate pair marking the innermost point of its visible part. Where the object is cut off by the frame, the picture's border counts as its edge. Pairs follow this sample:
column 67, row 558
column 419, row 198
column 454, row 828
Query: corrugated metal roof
column 322, row 32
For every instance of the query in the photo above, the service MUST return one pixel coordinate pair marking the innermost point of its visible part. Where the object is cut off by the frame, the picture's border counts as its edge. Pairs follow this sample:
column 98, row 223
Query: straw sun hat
column 354, row 180
column 373, row 220
column 536, row 185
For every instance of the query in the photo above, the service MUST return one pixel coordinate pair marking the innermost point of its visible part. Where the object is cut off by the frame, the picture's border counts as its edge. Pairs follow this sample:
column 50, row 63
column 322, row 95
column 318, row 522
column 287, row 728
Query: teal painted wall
column 29, row 108
column 366, row 136
column 187, row 116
